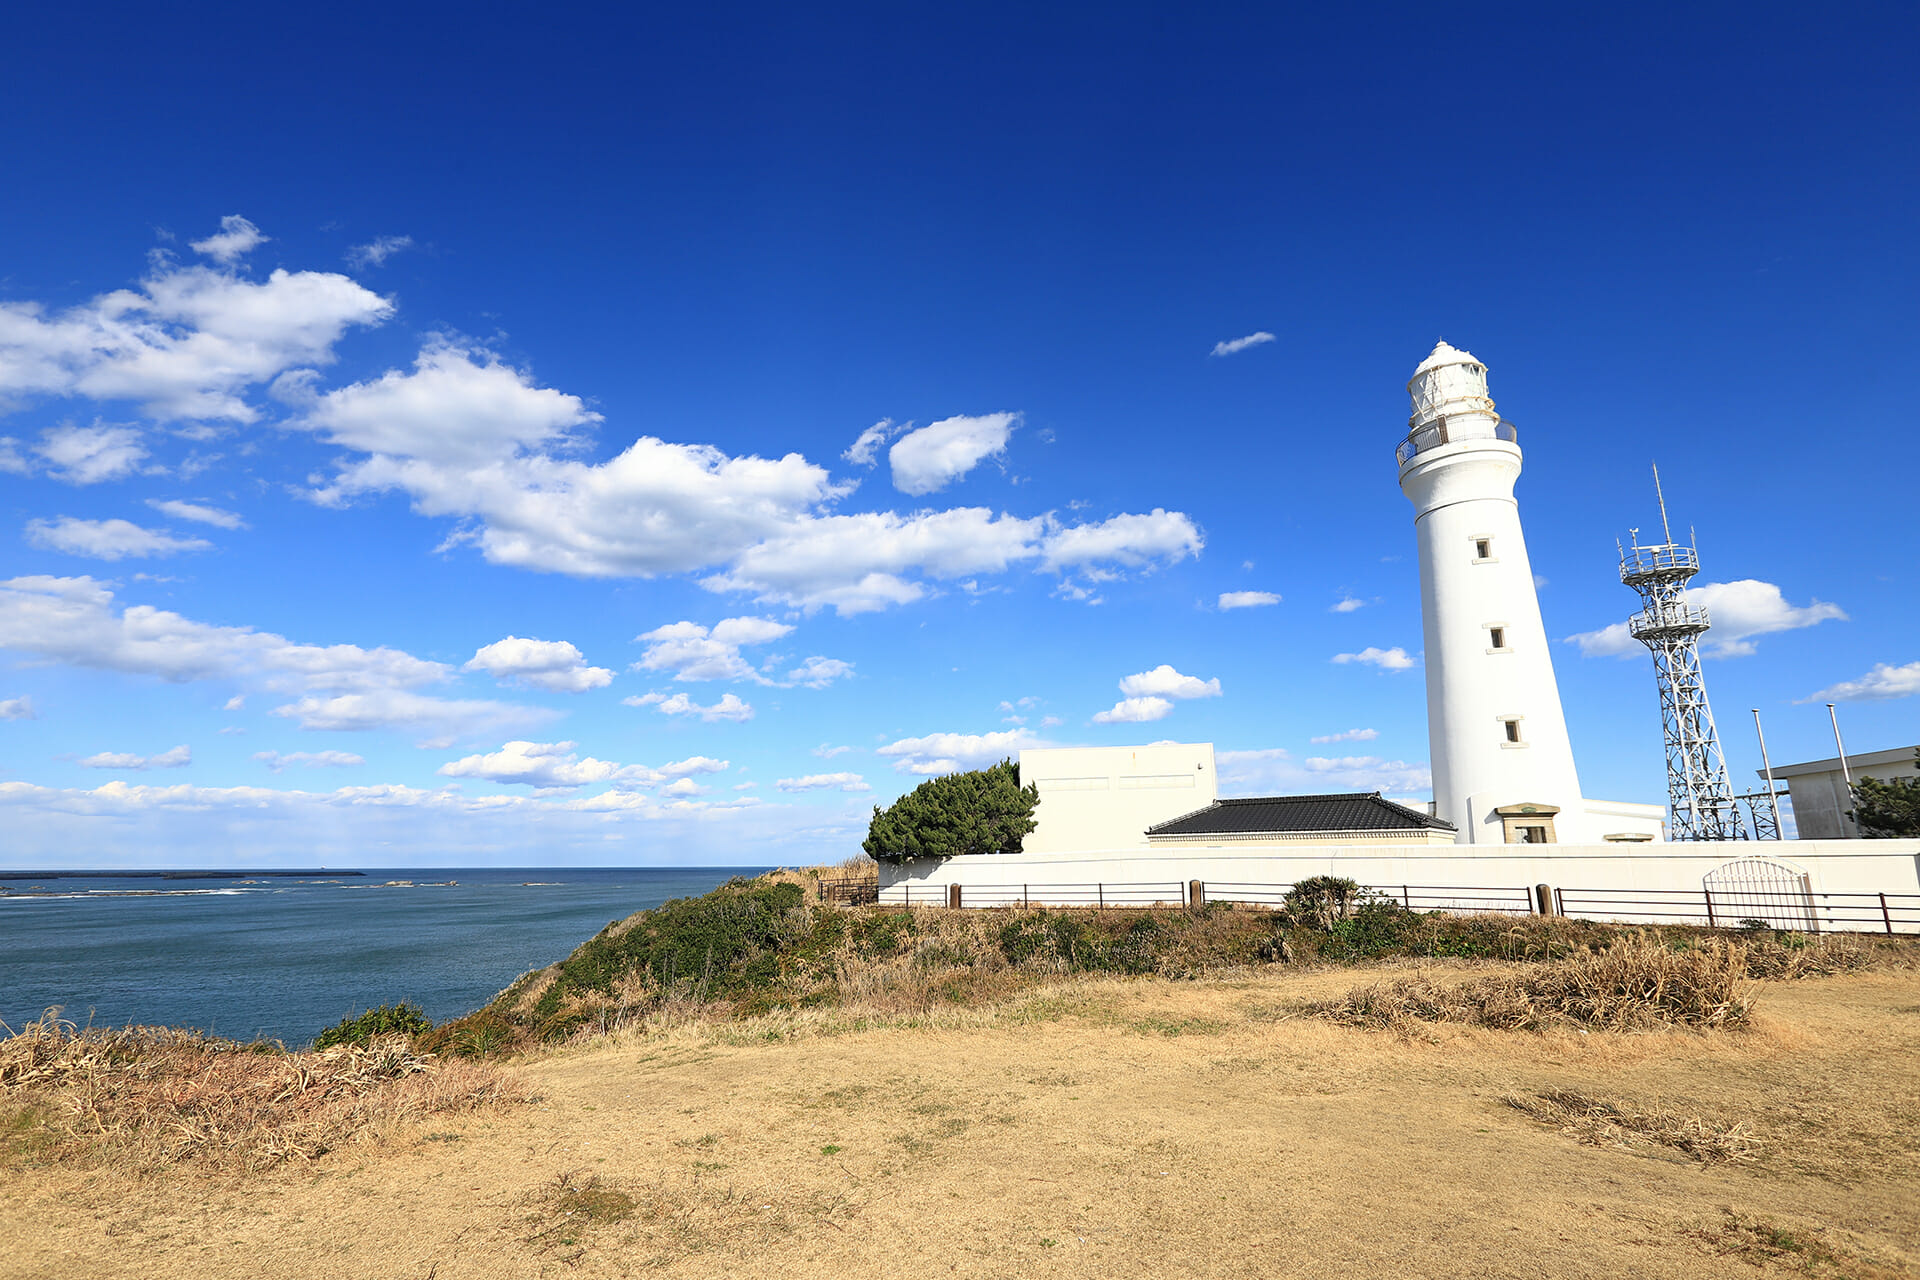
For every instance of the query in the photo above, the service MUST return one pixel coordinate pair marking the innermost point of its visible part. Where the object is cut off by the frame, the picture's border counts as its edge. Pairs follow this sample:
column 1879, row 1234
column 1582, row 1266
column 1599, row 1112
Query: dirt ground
column 1098, row 1129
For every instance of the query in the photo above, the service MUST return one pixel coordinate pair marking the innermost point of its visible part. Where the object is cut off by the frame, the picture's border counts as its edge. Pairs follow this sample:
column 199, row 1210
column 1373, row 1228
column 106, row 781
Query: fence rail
column 1803, row 911
column 853, row 891
column 1726, row 909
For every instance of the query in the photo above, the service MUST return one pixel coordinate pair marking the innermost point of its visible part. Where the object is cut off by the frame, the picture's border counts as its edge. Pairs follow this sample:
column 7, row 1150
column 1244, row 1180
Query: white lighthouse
column 1502, row 764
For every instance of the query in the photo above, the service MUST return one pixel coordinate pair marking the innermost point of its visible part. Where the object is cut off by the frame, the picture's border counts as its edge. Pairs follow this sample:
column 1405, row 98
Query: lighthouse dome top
column 1444, row 353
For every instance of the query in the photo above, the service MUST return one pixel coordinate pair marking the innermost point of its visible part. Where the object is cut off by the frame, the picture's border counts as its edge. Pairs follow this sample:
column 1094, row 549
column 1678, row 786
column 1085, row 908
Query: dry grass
column 1629, row 986
column 148, row 1097
column 1605, row 1124
column 1069, row 1133
column 1766, row 1246
column 1796, row 956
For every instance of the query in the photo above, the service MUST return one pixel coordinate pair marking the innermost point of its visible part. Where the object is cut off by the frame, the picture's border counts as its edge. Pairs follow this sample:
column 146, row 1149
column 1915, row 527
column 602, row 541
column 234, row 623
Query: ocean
column 283, row 956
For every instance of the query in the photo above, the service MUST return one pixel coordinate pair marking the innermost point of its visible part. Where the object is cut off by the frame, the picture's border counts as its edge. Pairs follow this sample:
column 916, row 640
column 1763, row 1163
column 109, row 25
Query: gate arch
column 1766, row 889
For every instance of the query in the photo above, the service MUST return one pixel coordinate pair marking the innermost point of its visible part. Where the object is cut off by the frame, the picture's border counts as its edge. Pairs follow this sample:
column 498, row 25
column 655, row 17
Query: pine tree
column 1890, row 809
column 984, row 811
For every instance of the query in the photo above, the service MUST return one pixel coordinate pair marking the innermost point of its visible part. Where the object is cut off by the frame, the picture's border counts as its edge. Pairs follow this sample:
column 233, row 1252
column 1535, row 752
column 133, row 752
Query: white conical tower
column 1502, row 765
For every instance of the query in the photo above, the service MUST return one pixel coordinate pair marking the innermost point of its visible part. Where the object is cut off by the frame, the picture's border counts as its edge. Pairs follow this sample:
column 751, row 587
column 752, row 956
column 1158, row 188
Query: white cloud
column 825, row 752
column 1274, row 771
column 1135, row 711
column 555, row 765
column 17, row 709
column 197, row 512
column 941, row 452
column 132, row 825
column 175, row 758
column 692, row 652
column 817, row 672
column 729, row 708
column 1131, row 540
column 865, row 451
column 276, row 761
column 1347, row 604
column 554, row 665
column 1394, row 659
column 107, row 539
column 1349, row 735
column 1738, row 610
column 1241, row 344
column 376, row 252
column 88, row 455
column 1247, row 599
column 74, row 621
column 236, row 238
column 458, row 407
column 1884, row 681
column 236, row 703
column 951, row 752
column 188, row 343
column 861, row 563
column 1163, row 681
column 825, row 782
column 439, row 721
column 470, row 438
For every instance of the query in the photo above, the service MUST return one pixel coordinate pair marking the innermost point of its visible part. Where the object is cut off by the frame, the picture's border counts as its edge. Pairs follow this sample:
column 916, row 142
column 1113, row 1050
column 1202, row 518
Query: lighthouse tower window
column 1483, row 550
column 1497, row 640
column 1512, row 727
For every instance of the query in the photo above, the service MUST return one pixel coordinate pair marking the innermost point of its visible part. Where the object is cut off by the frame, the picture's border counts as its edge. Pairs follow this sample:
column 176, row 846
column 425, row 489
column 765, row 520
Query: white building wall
column 1610, row 819
column 1107, row 797
column 1832, row 866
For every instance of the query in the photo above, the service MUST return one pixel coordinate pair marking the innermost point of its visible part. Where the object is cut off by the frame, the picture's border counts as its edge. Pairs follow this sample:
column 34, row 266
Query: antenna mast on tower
column 1700, row 799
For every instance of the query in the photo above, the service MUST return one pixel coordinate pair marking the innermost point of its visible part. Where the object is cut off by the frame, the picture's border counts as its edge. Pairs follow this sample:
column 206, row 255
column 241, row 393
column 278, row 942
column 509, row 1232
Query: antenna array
column 1700, row 799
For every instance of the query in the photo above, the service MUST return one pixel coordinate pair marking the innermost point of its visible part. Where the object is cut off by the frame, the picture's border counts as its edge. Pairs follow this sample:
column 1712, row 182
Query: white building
column 1107, row 797
column 1503, row 770
column 1818, row 789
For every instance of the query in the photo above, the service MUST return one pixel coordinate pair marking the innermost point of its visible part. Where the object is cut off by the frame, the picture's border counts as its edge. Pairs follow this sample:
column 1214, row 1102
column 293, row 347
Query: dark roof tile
column 1354, row 811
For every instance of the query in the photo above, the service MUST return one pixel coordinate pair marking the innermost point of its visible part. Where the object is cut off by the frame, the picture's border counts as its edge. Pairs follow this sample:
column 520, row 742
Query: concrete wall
column 1832, row 866
column 1624, row 817
column 1819, row 790
column 1107, row 797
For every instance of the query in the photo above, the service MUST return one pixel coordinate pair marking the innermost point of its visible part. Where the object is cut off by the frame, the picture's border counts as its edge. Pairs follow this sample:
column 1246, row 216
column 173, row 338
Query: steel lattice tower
column 1700, row 799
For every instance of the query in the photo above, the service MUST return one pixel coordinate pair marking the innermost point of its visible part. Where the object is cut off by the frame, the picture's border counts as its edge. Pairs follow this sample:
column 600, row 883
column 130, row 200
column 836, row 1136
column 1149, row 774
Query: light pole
column 1846, row 774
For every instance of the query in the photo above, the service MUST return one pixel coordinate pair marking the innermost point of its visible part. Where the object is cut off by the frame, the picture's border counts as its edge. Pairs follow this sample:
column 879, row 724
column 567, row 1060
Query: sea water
column 284, row 956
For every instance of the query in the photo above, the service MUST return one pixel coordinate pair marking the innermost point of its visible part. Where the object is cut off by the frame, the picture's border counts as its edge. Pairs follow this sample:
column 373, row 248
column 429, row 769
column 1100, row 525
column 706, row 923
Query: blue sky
column 435, row 435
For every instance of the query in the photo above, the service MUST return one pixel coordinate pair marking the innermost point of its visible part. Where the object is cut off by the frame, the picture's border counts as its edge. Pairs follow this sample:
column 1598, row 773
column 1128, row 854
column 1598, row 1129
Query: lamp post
column 1846, row 774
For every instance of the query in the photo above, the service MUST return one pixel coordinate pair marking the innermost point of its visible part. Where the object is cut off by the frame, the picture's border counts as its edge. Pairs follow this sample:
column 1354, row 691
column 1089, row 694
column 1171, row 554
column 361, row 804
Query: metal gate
column 1776, row 893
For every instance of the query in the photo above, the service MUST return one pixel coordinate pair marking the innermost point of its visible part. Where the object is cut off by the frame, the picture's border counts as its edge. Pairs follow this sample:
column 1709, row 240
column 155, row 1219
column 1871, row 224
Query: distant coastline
column 172, row 875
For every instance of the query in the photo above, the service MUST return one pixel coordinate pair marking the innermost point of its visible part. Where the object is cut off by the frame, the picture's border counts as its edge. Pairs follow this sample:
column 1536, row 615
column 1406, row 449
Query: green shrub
column 404, row 1019
column 1322, row 901
column 723, row 944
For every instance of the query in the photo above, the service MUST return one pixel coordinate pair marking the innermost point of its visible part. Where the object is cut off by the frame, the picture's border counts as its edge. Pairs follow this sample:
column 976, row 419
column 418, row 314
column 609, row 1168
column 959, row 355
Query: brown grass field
column 1090, row 1127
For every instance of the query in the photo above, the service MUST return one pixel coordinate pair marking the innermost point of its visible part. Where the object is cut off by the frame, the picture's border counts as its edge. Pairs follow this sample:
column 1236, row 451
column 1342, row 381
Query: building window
column 1483, row 548
column 1531, row 835
column 1513, row 730
column 1498, row 635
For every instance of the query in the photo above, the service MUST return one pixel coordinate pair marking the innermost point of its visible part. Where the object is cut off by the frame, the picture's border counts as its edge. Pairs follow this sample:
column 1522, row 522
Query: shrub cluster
column 752, row 946
column 405, row 1019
